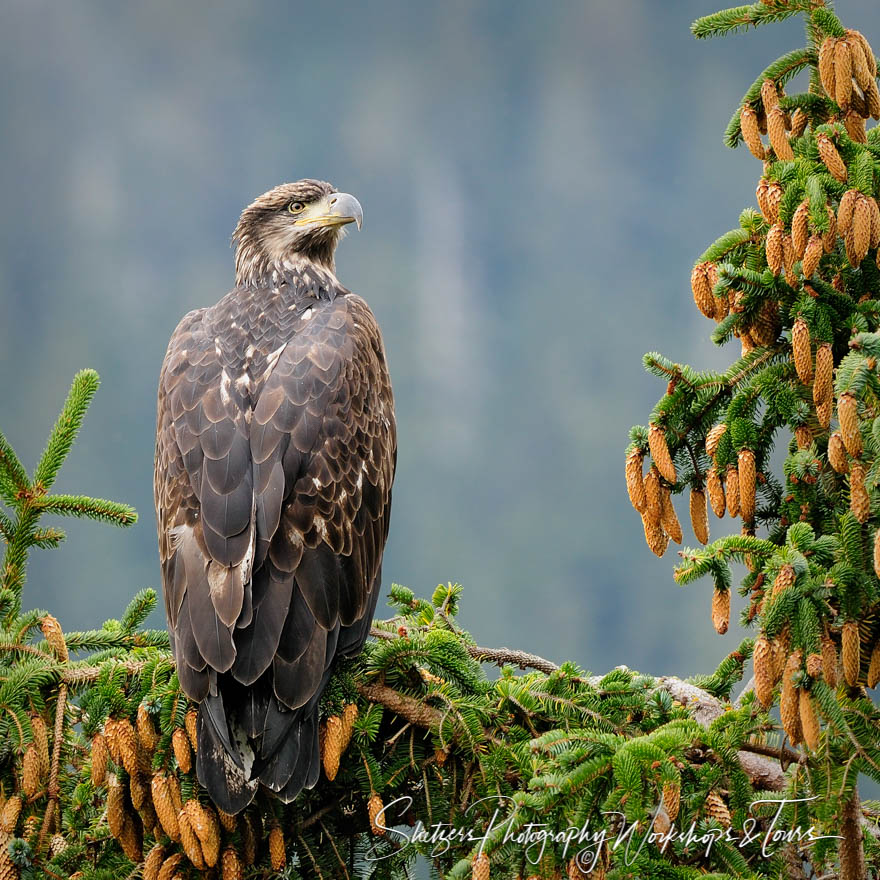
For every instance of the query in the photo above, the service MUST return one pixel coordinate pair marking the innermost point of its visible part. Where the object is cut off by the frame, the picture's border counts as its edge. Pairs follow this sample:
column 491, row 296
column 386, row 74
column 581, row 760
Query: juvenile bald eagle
column 275, row 453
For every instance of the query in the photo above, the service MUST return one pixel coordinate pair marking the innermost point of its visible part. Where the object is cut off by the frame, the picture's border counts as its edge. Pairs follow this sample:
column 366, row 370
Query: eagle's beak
column 337, row 209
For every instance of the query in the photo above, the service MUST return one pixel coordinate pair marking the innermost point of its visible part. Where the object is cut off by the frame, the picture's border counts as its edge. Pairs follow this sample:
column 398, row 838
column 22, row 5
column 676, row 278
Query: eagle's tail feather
column 228, row 782
column 297, row 762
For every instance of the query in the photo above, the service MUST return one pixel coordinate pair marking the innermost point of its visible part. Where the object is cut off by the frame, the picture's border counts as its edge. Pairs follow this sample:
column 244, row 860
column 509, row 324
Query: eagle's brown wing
column 273, row 491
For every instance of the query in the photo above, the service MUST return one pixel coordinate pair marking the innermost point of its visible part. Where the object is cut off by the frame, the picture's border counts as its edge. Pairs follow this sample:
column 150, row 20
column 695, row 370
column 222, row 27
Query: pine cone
column 748, row 120
column 874, row 666
column 671, row 799
column 190, row 842
column 276, row 848
column 182, row 751
column 845, row 211
column 804, row 436
column 660, row 452
column 773, row 248
column 721, row 610
column 374, row 808
column 837, row 455
column 207, row 829
column 168, row 871
column 784, row 579
column 231, row 868
column 732, row 491
column 848, row 414
column 153, row 862
column 713, row 438
column 747, row 484
column 164, row 805
column 123, row 742
column 715, row 488
column 763, row 662
column 668, row 516
column 716, row 809
column 826, row 66
column 829, row 660
column 132, row 839
column 763, row 201
column 812, row 255
column 789, row 701
column 799, row 122
column 140, row 793
column 858, row 239
column 146, row 730
column 30, row 771
column 829, row 155
column 814, row 665
column 41, row 743
column 800, row 228
column 227, row 820
column 873, row 97
column 779, row 134
column 801, row 351
column 702, row 290
column 859, row 500
column 481, row 867
column 332, row 746
column 823, row 413
column 851, row 652
column 861, row 72
column 116, row 807
column 854, row 123
column 823, row 381
column 635, row 480
column 656, row 539
column 699, row 515
column 191, row 723
column 842, row 74
column 809, row 721
column 54, row 635
column 57, row 845
column 653, row 496
column 9, row 815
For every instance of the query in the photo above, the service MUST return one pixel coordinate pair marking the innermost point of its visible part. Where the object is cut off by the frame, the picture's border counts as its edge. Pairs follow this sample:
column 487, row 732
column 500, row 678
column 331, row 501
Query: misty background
column 537, row 181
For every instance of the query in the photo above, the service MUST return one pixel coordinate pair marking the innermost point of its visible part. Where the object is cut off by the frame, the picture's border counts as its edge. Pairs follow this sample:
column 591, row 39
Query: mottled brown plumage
column 275, row 455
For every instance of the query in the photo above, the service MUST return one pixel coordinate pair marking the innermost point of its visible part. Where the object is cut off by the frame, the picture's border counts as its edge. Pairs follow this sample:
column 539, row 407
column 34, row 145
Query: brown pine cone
column 800, row 228
column 829, row 155
column 814, row 665
column 842, row 74
column 231, row 868
column 848, row 414
column 207, row 829
column 801, row 351
column 779, row 134
column 812, row 255
column 374, row 808
column 721, row 610
column 668, row 516
column 826, row 66
column 829, row 660
column 9, row 815
column 874, row 666
column 715, row 488
column 672, row 799
column 332, row 746
column 751, row 134
column 732, row 491
column 763, row 663
column 480, row 869
column 702, row 290
column 809, row 721
column 854, row 123
column 190, row 842
column 851, row 652
column 168, row 871
column 116, row 806
column 837, row 457
column 699, row 515
column 804, row 436
column 132, row 838
column 660, row 452
column 858, row 239
column 716, row 809
column 163, row 803
column 148, row 736
column 789, row 701
column 182, row 751
column 41, row 743
column 54, row 635
column 653, row 496
column 846, row 210
column 860, row 70
column 99, row 759
column 30, row 772
column 873, row 98
column 784, row 579
column 747, row 484
column 635, row 480
column 859, row 500
column 824, row 375
column 656, row 539
column 799, row 122
column 823, row 413
column 763, row 202
column 227, row 820
column 191, row 722
column 153, row 862
column 277, row 855
column 713, row 438
column 773, row 247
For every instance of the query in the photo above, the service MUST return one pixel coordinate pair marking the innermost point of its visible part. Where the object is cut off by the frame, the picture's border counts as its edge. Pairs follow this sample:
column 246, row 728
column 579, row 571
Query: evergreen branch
column 7, row 528
column 83, row 389
column 743, row 17
column 14, row 480
column 780, row 71
column 83, row 506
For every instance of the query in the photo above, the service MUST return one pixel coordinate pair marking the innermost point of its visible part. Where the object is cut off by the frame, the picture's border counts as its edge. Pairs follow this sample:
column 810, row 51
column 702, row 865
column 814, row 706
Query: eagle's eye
column 296, row 207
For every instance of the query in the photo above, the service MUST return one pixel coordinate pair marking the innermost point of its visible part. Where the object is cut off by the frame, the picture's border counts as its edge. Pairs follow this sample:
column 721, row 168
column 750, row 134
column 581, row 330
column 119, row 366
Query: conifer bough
column 802, row 277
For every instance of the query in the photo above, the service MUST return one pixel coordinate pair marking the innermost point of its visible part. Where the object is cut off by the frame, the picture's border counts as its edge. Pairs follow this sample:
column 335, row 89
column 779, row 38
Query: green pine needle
column 743, row 17
column 112, row 512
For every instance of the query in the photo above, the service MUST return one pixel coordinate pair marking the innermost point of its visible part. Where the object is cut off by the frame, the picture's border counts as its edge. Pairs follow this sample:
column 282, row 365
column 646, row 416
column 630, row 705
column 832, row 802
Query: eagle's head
column 294, row 220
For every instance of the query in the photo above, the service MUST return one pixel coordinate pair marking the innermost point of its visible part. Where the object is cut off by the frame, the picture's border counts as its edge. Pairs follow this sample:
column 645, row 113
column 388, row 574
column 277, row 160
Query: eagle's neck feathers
column 255, row 269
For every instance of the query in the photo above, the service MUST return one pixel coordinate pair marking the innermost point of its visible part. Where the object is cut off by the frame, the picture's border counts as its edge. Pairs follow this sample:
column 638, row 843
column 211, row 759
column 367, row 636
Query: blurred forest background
column 537, row 181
